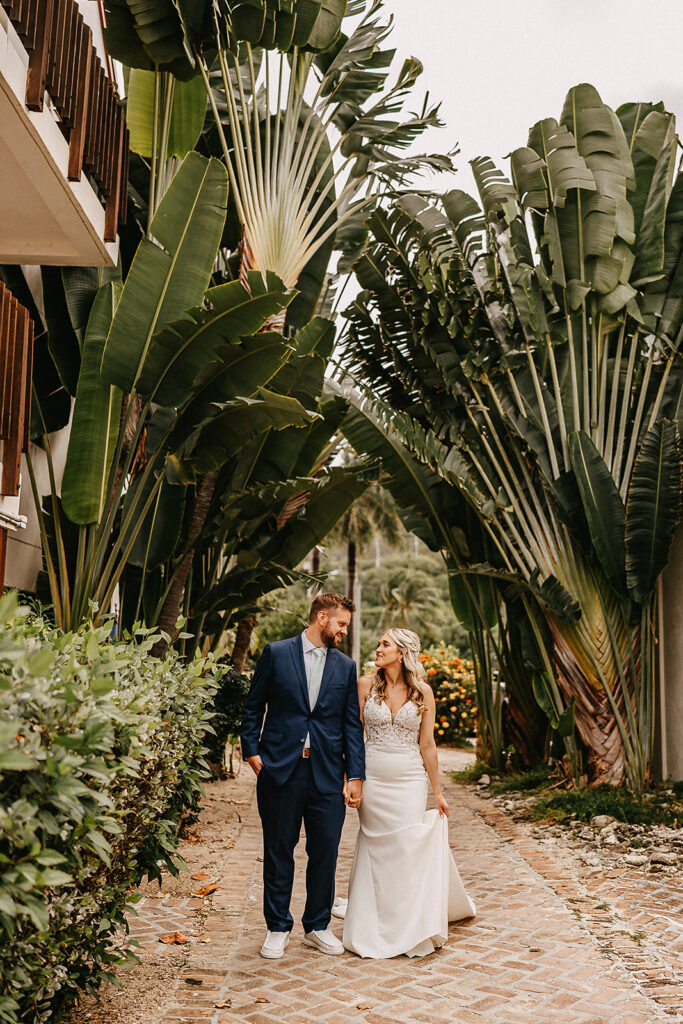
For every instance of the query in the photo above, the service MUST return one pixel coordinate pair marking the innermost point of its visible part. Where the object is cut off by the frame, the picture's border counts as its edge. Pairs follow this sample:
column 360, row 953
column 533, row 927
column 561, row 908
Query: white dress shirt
column 314, row 663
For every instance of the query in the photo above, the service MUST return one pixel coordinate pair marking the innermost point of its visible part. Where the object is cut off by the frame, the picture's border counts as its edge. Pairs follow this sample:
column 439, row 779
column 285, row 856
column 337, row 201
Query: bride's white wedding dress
column 404, row 886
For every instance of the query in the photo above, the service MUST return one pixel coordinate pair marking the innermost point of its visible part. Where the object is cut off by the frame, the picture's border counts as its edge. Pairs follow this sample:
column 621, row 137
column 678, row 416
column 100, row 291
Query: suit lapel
column 331, row 665
column 297, row 652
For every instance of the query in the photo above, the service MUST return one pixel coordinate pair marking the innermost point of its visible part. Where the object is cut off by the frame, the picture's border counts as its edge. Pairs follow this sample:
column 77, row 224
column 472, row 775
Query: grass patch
column 654, row 808
column 472, row 773
column 537, row 777
column 661, row 806
column 461, row 743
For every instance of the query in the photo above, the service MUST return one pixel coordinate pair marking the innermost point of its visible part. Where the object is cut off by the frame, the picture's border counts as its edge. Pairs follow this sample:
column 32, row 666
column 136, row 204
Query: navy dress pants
column 283, row 809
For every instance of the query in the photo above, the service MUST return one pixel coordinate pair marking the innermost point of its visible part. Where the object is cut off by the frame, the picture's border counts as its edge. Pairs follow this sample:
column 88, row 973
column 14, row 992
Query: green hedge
column 101, row 750
column 226, row 713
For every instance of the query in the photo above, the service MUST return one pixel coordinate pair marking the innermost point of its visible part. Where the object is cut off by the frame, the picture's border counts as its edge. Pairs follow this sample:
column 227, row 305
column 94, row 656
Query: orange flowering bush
column 452, row 680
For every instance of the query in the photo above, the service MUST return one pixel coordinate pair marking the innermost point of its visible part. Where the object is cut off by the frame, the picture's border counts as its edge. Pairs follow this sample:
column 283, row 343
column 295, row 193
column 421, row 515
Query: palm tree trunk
column 356, row 620
column 314, row 588
column 140, row 456
column 171, row 606
column 245, row 628
column 530, row 736
column 595, row 720
column 351, row 559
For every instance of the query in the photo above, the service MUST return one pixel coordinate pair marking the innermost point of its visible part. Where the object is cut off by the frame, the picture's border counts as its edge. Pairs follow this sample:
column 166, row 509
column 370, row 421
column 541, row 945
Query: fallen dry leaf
column 364, row 1006
column 224, row 1006
column 205, row 940
column 199, row 876
column 260, row 860
column 261, row 999
column 174, row 939
column 206, row 890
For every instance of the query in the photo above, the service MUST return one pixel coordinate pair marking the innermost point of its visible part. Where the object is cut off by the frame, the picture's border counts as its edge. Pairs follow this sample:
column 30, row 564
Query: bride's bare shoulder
column 425, row 688
column 365, row 684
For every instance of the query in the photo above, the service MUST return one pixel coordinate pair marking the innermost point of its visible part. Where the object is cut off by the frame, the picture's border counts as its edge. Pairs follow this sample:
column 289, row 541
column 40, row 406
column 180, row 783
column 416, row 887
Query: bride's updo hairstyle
column 408, row 644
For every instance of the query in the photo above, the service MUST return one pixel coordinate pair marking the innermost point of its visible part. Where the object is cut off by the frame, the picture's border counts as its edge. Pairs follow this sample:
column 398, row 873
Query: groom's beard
column 329, row 637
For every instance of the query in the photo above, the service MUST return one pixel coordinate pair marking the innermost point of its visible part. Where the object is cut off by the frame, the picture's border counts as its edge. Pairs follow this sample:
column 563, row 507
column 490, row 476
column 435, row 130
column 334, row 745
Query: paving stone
column 527, row 956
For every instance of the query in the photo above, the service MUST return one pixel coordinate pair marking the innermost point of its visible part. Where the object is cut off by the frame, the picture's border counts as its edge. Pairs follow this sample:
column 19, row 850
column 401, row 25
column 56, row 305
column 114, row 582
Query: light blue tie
column 316, row 674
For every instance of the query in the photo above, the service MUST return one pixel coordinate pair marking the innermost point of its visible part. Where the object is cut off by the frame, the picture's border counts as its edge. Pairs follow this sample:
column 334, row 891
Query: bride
column 404, row 886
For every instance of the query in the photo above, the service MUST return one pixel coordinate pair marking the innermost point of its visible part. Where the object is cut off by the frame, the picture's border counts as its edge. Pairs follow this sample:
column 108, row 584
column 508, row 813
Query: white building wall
column 24, row 549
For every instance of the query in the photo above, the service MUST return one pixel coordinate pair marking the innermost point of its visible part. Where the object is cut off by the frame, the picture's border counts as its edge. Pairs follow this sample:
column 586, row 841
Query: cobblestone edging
column 617, row 908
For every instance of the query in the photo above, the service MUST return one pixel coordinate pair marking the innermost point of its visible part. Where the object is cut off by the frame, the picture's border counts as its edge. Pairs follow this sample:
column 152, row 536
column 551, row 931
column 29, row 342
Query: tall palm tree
column 371, row 515
column 533, row 346
column 410, row 599
column 309, row 131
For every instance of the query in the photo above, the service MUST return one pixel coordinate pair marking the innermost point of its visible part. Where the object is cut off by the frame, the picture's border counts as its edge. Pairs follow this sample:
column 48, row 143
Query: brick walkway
column 547, row 947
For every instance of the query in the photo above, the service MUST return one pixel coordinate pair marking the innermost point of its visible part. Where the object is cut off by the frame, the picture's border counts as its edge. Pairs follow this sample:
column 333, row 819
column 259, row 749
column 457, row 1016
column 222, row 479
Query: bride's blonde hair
column 408, row 644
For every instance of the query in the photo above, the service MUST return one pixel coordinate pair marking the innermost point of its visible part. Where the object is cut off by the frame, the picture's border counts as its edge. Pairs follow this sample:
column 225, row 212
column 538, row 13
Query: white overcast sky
column 498, row 66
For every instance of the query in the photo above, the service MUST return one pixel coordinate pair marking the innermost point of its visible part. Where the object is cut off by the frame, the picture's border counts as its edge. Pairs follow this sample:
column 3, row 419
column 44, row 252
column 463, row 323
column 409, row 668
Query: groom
column 302, row 734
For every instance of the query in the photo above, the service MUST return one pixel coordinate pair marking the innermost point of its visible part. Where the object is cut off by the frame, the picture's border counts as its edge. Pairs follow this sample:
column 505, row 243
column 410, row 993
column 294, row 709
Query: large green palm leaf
column 171, row 268
column 95, row 422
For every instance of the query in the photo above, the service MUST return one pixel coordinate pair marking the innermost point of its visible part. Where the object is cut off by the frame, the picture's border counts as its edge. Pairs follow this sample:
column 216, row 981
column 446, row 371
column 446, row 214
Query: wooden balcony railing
column 63, row 63
column 16, row 363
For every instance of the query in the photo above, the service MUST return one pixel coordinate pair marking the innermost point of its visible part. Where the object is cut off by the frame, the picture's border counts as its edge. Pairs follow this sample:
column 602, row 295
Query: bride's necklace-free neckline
column 386, row 701
column 394, row 717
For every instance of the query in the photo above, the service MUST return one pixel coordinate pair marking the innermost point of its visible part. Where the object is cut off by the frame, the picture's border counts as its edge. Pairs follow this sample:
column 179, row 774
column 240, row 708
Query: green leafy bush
column 452, row 681
column 472, row 773
column 226, row 713
column 101, row 750
column 653, row 808
column 537, row 777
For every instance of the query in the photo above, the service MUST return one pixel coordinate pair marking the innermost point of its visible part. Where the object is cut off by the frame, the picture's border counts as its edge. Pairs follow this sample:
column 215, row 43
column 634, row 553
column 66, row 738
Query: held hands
column 353, row 792
column 441, row 804
column 255, row 763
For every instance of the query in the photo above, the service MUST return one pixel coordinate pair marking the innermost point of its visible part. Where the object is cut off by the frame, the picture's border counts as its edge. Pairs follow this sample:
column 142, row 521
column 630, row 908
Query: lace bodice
column 383, row 733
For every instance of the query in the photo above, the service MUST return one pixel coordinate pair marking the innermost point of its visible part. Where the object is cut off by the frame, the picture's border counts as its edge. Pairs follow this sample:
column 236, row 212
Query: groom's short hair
column 328, row 602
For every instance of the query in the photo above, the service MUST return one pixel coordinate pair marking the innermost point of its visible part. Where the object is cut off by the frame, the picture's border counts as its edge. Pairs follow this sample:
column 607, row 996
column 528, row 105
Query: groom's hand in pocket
column 255, row 763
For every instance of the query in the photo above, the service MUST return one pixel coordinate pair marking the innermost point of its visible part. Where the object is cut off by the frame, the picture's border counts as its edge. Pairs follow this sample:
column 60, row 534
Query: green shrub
column 583, row 804
column 537, row 777
column 226, row 713
column 452, row 680
column 472, row 773
column 100, row 752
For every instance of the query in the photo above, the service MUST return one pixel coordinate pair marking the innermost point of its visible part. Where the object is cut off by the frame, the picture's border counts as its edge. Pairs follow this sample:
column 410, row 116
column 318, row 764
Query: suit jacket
column 277, row 716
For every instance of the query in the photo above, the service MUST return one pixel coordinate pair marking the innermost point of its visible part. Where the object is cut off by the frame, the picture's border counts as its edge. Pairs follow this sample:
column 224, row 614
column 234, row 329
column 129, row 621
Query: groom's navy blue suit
column 291, row 788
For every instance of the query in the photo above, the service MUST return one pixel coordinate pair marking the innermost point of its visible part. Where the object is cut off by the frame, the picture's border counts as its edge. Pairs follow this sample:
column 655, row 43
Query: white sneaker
column 324, row 940
column 339, row 907
column 275, row 944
